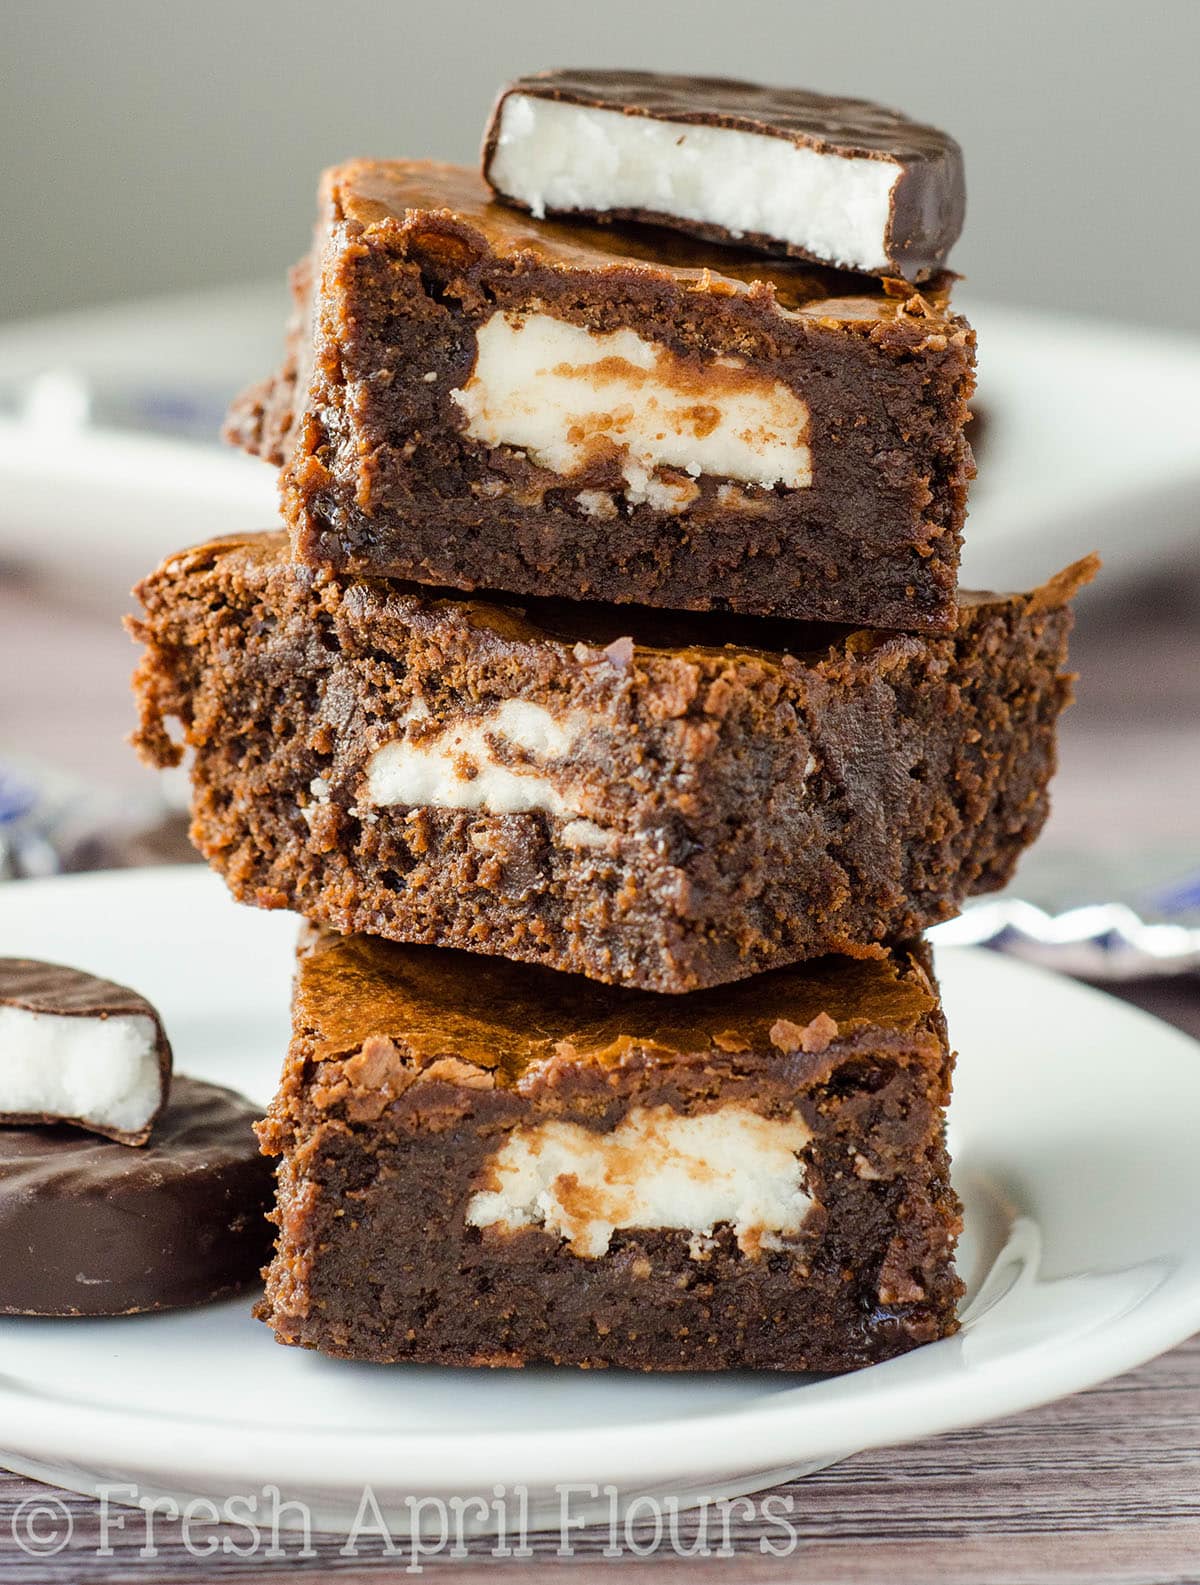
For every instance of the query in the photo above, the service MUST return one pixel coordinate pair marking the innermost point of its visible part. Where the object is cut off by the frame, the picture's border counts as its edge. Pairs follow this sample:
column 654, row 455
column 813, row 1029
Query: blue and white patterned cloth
column 1103, row 919
column 51, row 823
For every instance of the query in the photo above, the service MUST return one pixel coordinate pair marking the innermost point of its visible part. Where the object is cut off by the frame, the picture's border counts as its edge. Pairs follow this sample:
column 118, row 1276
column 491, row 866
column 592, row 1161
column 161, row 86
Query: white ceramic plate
column 1074, row 1133
column 1069, row 462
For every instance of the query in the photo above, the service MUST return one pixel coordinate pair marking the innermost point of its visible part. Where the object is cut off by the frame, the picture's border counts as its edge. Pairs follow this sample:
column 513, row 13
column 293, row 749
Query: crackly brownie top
column 505, row 1018
column 438, row 201
column 619, row 631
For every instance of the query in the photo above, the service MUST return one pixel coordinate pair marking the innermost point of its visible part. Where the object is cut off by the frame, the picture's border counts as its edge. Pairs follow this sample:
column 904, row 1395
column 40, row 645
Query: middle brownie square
column 662, row 802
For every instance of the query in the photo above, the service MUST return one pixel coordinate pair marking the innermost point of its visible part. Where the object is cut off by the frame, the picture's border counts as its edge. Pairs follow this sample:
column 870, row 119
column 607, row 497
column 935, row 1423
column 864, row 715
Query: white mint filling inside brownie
column 462, row 765
column 104, row 1071
column 515, row 758
column 655, row 1169
column 552, row 155
column 571, row 398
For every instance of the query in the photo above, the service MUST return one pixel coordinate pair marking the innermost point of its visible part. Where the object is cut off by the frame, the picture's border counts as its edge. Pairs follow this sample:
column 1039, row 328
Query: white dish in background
column 1090, row 443
column 109, row 404
column 1073, row 1131
column 1091, row 439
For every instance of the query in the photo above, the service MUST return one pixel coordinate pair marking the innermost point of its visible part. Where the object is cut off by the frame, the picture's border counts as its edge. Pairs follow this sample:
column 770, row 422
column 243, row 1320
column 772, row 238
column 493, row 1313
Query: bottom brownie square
column 485, row 1163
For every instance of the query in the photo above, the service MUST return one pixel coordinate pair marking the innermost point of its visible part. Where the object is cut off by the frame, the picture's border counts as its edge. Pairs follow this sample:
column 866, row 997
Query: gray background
column 160, row 144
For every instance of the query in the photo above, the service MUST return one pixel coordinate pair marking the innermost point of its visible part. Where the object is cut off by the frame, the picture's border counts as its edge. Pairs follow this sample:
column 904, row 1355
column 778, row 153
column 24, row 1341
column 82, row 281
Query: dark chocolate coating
column 89, row 1228
column 53, row 988
column 928, row 202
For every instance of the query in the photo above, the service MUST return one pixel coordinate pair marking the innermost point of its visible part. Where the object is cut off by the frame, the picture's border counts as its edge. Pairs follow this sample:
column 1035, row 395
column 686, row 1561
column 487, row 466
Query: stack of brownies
column 615, row 1040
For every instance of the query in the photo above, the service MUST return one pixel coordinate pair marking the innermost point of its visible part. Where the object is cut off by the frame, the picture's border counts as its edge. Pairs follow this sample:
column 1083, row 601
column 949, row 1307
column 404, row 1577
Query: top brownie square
column 472, row 398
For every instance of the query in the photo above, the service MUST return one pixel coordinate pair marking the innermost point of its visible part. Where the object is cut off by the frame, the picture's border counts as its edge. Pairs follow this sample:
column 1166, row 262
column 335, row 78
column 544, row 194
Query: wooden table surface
column 1101, row 1488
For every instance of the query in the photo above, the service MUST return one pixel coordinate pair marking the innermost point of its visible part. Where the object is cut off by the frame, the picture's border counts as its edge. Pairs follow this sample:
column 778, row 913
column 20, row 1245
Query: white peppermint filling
column 569, row 397
column 103, row 1071
column 555, row 156
column 655, row 1169
column 457, row 766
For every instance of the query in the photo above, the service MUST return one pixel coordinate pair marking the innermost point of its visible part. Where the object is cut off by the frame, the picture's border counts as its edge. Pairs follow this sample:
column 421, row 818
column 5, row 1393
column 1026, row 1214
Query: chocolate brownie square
column 477, row 399
column 660, row 800
column 484, row 1163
